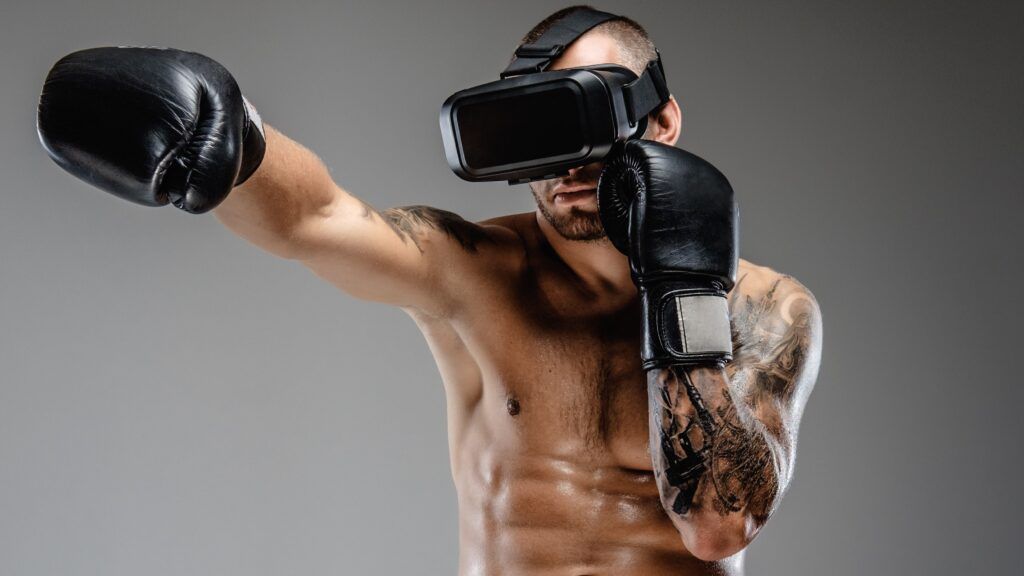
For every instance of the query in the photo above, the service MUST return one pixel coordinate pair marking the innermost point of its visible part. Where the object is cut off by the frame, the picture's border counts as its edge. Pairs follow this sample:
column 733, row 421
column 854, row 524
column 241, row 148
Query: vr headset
column 534, row 124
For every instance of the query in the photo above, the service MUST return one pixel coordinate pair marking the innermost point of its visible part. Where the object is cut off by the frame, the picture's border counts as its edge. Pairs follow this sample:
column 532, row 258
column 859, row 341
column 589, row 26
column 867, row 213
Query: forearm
column 718, row 470
column 288, row 192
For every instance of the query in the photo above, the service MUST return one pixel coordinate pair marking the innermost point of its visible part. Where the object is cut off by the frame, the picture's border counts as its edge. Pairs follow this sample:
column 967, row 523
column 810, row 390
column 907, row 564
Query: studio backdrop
column 174, row 401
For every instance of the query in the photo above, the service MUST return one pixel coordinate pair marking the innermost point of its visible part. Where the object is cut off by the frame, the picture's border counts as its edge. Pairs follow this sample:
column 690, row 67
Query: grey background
column 173, row 401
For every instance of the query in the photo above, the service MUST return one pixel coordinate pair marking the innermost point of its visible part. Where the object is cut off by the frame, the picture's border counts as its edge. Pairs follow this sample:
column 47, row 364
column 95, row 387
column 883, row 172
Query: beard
column 578, row 225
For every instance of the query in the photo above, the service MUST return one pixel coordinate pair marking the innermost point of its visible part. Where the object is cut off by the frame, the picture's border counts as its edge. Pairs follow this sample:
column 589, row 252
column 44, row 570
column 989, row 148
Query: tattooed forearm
column 699, row 442
column 722, row 439
column 743, row 470
column 685, row 448
column 407, row 221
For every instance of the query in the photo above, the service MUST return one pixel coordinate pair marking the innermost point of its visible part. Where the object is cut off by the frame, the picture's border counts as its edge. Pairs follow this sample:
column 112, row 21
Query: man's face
column 569, row 203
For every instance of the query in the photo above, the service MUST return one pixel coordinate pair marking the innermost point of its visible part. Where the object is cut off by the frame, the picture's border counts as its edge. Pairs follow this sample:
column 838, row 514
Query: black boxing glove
column 674, row 215
column 151, row 125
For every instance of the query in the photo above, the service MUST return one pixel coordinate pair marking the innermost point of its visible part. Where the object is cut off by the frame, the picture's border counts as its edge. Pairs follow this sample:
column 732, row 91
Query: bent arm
column 291, row 207
column 723, row 440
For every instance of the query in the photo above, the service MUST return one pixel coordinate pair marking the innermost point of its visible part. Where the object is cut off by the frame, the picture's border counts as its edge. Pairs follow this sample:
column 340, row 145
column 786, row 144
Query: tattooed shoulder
column 410, row 223
column 776, row 325
column 765, row 300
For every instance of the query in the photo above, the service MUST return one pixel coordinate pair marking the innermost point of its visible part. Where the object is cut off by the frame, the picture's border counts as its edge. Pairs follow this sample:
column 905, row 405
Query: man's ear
column 666, row 124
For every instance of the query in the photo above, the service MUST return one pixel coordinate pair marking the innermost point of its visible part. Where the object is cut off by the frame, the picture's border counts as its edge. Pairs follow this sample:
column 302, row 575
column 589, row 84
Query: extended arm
column 164, row 126
column 291, row 207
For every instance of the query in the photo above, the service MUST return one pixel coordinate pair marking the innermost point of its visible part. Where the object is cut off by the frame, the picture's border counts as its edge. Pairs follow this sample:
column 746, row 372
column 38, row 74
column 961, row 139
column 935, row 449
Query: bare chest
column 549, row 375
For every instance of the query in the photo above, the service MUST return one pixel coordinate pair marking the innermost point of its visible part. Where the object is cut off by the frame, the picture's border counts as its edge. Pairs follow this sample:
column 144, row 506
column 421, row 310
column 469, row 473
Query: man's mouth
column 575, row 195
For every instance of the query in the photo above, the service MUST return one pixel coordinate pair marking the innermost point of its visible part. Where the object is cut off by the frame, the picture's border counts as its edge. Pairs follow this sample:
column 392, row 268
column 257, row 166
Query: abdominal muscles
column 559, row 504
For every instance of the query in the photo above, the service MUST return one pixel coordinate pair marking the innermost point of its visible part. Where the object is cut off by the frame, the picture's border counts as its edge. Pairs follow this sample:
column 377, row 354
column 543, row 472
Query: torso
column 548, row 428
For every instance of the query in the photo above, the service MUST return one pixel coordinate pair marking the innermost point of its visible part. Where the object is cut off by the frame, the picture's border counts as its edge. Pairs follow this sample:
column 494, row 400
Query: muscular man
column 567, row 458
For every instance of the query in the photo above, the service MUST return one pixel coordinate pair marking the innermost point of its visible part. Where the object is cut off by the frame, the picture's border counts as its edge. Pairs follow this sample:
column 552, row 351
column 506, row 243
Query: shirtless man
column 560, row 445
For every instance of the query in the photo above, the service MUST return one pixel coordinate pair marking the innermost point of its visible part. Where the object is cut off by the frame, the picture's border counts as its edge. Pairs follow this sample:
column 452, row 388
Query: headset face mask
column 535, row 124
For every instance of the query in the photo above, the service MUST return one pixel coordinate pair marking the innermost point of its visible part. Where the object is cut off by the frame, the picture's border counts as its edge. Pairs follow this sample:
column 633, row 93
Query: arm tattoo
column 730, row 447
column 684, row 471
column 714, row 445
column 771, row 339
column 407, row 221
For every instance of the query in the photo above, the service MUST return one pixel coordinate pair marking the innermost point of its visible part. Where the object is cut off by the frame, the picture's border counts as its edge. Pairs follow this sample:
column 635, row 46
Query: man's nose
column 580, row 172
column 586, row 172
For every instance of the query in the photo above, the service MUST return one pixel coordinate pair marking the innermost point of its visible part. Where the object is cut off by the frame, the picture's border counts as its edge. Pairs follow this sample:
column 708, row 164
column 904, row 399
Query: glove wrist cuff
column 685, row 324
column 254, row 143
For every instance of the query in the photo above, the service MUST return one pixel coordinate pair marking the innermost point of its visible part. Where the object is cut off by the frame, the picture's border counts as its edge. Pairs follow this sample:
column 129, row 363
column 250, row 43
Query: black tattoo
column 726, row 443
column 770, row 344
column 717, row 446
column 742, row 467
column 407, row 221
column 684, row 472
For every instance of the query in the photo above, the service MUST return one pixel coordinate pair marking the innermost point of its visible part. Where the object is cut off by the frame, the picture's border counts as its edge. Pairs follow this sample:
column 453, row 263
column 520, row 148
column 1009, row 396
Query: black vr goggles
column 534, row 124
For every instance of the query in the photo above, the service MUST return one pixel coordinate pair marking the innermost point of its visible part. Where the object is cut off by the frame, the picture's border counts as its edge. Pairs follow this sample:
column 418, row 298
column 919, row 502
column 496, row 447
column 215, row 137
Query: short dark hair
column 634, row 43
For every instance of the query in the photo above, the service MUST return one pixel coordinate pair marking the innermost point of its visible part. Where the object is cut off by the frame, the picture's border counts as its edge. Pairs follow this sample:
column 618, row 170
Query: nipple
column 512, row 405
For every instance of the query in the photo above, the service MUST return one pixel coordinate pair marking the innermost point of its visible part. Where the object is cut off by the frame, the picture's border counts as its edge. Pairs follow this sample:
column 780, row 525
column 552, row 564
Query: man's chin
column 576, row 224
column 577, row 221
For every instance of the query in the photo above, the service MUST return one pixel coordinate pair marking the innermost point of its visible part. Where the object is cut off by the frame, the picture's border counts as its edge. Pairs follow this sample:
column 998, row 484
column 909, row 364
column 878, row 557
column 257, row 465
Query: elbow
column 715, row 548
column 727, row 537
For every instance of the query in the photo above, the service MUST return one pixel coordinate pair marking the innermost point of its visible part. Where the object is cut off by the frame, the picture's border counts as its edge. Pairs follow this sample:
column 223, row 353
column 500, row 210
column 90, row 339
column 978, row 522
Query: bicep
column 777, row 351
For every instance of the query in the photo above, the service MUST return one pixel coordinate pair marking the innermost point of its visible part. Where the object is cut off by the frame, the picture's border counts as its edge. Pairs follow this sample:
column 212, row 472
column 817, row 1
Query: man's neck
column 599, row 266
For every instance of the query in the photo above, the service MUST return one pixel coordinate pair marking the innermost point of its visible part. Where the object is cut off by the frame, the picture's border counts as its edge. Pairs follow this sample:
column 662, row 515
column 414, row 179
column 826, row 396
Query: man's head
column 569, row 203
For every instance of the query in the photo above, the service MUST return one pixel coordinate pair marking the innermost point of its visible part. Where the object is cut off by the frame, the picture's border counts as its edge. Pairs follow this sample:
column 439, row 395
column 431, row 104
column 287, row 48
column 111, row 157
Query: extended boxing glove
column 151, row 125
column 673, row 214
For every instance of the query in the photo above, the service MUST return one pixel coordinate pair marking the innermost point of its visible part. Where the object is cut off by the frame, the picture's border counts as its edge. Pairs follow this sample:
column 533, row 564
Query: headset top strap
column 643, row 95
column 537, row 56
